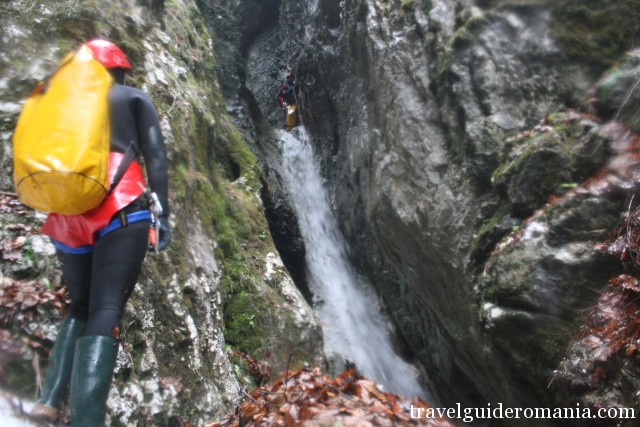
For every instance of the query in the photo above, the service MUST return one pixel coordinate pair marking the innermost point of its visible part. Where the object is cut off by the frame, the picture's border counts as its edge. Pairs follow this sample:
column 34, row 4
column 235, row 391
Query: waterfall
column 348, row 310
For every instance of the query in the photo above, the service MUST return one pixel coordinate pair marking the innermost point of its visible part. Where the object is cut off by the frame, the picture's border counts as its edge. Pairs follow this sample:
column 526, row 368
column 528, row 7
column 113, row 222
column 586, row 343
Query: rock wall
column 221, row 285
column 435, row 124
column 470, row 163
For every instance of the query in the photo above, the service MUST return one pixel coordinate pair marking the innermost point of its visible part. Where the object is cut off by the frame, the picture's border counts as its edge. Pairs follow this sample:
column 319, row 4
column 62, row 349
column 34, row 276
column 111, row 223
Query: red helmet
column 108, row 54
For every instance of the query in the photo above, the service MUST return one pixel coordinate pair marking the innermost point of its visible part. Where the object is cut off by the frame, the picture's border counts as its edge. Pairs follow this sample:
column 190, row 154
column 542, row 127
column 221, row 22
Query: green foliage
column 241, row 368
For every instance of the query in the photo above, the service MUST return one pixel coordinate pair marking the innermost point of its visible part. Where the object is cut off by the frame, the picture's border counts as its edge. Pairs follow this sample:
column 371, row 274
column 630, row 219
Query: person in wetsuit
column 101, row 252
column 287, row 95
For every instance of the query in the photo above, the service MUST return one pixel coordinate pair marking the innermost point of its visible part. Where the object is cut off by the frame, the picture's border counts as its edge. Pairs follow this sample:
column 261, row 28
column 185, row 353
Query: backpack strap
column 129, row 156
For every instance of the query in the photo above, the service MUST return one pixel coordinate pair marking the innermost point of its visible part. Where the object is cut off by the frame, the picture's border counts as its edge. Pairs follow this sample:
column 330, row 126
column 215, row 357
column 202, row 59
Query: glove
column 164, row 234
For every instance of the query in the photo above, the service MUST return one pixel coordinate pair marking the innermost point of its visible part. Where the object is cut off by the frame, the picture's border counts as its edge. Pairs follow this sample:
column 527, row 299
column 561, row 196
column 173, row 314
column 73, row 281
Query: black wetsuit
column 134, row 118
column 100, row 283
column 288, row 93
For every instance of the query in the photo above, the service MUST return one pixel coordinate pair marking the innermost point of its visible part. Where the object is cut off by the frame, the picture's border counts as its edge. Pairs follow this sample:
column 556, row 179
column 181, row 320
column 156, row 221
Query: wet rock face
column 174, row 366
column 173, row 350
column 419, row 111
column 421, row 130
column 617, row 95
column 549, row 159
column 285, row 232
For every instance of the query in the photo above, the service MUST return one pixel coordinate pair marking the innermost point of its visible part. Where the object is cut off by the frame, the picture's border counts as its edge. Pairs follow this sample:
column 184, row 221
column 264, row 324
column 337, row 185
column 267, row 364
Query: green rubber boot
column 93, row 365
column 59, row 371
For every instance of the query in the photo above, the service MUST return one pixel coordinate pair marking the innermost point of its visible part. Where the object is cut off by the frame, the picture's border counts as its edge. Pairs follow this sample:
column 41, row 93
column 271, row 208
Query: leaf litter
column 310, row 398
column 612, row 329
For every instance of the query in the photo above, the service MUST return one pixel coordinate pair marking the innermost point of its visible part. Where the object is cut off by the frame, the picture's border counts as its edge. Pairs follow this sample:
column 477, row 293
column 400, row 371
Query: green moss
column 236, row 158
column 214, row 180
column 487, row 228
column 445, row 63
column 407, row 5
column 244, row 326
column 499, row 174
column 554, row 339
column 256, row 326
column 468, row 31
column 595, row 32
column 217, row 174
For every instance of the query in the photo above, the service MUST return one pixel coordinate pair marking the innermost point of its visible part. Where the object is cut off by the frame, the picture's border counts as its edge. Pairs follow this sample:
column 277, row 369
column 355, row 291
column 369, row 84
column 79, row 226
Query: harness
column 288, row 89
column 123, row 220
column 75, row 231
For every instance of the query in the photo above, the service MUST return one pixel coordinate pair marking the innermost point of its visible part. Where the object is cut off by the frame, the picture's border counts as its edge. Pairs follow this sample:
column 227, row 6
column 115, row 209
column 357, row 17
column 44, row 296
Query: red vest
column 82, row 230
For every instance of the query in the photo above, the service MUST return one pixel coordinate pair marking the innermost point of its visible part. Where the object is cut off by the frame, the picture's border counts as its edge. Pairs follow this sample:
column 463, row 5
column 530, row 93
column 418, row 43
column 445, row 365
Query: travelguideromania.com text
column 498, row 411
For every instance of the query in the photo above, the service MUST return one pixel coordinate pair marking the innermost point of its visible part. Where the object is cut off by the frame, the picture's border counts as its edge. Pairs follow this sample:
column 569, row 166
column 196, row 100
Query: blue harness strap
column 131, row 218
column 112, row 226
column 80, row 250
column 288, row 89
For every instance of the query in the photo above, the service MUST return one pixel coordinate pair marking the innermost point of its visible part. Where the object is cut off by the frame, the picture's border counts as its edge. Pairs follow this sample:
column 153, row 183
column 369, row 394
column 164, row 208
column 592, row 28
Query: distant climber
column 288, row 101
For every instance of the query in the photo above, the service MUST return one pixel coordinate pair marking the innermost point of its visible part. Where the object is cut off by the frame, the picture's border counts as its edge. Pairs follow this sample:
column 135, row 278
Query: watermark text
column 498, row 411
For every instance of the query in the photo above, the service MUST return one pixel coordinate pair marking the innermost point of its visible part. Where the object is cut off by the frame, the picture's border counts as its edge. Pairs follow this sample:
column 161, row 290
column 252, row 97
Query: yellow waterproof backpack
column 292, row 116
column 61, row 143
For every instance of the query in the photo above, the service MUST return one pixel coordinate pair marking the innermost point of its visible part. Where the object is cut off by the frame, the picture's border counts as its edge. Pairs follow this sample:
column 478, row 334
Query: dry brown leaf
column 292, row 416
column 308, row 397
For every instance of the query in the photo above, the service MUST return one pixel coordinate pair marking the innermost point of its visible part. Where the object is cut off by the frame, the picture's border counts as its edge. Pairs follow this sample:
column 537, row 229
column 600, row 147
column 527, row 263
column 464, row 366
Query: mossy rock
column 594, row 32
column 531, row 177
column 554, row 157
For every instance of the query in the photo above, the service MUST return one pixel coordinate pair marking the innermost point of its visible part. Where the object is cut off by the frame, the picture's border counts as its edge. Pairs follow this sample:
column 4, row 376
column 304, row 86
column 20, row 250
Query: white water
column 353, row 327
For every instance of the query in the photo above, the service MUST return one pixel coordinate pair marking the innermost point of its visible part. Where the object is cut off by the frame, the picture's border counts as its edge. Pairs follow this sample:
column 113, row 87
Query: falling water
column 353, row 327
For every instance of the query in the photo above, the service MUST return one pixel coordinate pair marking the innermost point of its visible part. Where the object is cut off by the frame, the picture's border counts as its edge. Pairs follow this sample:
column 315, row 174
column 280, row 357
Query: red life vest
column 82, row 230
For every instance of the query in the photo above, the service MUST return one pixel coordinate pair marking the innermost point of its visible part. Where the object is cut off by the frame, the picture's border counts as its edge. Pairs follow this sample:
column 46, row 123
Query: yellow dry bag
column 292, row 116
column 61, row 143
